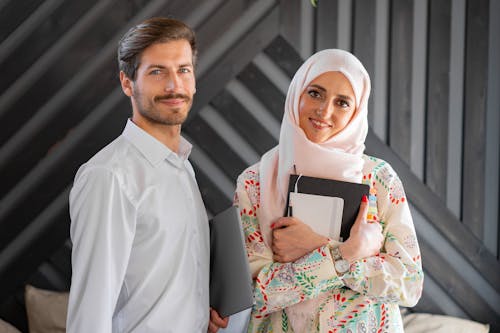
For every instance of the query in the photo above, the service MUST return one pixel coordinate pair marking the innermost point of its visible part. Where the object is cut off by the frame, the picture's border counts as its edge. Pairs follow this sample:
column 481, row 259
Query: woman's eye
column 314, row 93
column 343, row 103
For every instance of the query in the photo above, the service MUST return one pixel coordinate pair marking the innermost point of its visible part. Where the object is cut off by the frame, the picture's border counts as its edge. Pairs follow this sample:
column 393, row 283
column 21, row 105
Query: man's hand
column 293, row 239
column 216, row 321
column 365, row 239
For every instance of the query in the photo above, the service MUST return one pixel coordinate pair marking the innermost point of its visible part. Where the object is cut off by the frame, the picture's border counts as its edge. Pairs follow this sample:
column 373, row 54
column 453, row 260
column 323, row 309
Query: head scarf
column 340, row 157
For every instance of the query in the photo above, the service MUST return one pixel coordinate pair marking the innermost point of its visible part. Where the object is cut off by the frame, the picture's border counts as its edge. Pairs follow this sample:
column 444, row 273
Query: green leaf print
column 284, row 321
column 306, row 282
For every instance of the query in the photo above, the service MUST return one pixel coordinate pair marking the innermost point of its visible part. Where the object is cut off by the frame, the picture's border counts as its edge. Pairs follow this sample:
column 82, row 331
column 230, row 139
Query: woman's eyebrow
column 346, row 97
column 317, row 87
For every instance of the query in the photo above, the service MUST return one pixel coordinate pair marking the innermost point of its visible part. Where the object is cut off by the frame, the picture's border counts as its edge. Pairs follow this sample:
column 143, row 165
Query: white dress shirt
column 140, row 240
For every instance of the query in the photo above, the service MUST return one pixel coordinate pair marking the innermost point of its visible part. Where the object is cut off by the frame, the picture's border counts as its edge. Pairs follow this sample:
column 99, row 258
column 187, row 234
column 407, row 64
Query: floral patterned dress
column 365, row 299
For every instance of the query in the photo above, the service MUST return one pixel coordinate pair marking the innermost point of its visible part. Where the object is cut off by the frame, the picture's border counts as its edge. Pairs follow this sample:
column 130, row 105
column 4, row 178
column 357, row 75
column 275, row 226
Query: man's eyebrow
column 156, row 66
column 163, row 67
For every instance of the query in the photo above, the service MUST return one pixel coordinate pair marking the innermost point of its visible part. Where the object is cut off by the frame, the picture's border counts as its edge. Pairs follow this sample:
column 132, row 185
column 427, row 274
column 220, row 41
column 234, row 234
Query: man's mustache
column 172, row 96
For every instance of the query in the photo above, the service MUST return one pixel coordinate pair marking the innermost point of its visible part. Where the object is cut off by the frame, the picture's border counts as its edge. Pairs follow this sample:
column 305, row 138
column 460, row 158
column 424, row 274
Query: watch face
column 342, row 266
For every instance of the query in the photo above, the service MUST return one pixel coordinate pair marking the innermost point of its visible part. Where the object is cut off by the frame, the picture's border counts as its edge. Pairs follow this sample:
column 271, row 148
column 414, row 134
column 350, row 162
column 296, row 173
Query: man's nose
column 172, row 83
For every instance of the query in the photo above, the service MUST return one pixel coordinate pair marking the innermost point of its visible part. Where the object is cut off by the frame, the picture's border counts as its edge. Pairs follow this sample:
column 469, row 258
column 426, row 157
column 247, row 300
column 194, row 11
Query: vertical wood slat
column 380, row 80
column 438, row 96
column 344, row 19
column 455, row 124
column 326, row 25
column 492, row 174
column 476, row 79
column 418, row 89
column 289, row 22
column 401, row 55
column 364, row 40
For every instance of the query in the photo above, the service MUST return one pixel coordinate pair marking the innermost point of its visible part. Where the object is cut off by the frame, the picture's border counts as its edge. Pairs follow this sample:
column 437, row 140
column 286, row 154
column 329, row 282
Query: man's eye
column 155, row 72
column 185, row 70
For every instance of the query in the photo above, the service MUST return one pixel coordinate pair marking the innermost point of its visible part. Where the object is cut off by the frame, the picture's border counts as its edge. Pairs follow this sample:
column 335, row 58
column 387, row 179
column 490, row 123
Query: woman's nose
column 325, row 110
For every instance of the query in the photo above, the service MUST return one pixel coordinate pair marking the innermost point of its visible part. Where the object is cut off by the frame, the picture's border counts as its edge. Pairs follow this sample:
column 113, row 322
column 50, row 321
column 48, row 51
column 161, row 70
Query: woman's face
column 326, row 106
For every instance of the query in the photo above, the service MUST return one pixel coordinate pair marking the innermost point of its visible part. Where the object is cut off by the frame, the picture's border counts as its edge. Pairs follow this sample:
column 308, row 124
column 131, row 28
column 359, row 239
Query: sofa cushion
column 425, row 323
column 5, row 327
column 46, row 310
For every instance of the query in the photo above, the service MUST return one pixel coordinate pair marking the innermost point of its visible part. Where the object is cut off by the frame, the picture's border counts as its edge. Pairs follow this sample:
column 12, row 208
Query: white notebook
column 322, row 213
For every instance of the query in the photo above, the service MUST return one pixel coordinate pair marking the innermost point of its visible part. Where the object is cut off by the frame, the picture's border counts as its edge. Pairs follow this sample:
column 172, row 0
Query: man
column 138, row 224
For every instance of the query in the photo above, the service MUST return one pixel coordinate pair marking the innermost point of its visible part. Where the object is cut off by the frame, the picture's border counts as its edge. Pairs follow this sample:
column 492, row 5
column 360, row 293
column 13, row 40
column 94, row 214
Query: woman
column 297, row 288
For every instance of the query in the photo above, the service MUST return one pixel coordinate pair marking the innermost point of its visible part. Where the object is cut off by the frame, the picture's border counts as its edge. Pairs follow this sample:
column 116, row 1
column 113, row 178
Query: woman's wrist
column 346, row 252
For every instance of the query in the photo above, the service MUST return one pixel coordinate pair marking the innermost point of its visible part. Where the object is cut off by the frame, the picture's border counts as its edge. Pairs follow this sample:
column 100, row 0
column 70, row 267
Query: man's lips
column 319, row 124
column 172, row 99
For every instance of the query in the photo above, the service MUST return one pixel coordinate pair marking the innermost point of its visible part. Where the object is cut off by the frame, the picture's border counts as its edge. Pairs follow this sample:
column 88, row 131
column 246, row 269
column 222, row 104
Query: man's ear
column 127, row 84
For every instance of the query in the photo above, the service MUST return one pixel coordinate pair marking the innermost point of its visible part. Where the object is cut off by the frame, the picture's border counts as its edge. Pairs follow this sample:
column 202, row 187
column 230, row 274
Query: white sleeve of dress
column 102, row 231
column 395, row 275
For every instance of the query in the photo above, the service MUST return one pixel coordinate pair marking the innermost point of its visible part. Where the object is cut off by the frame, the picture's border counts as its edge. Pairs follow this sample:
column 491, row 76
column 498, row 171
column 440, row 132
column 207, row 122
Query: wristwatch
column 341, row 265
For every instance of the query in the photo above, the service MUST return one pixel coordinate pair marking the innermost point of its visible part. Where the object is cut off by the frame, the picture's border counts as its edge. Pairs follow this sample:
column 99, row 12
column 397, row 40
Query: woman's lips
column 319, row 124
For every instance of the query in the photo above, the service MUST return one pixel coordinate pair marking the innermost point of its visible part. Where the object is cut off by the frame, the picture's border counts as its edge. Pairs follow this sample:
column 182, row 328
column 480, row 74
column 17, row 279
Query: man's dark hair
column 152, row 31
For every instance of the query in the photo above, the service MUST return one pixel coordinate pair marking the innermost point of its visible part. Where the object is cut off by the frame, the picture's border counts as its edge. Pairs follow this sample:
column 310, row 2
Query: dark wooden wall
column 434, row 115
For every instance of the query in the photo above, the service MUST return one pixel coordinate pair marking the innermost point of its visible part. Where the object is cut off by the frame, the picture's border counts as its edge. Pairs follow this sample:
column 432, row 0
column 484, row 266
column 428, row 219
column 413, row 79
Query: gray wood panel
column 263, row 89
column 234, row 60
column 14, row 13
column 476, row 78
column 242, row 121
column 401, row 55
column 438, row 81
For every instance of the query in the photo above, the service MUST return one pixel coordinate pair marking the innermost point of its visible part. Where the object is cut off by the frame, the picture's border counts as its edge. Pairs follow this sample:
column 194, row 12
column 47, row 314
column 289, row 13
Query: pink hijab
column 338, row 158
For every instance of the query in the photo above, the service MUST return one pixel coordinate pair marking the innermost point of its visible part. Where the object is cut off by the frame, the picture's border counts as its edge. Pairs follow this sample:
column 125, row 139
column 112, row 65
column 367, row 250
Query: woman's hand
column 365, row 239
column 293, row 239
column 216, row 321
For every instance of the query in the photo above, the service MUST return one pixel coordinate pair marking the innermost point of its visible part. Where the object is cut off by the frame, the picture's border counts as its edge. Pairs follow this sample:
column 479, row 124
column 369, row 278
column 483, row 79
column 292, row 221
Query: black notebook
column 231, row 288
column 329, row 206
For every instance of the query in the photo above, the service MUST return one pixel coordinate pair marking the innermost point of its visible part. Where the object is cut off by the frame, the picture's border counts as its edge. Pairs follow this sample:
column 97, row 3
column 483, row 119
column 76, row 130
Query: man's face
column 162, row 93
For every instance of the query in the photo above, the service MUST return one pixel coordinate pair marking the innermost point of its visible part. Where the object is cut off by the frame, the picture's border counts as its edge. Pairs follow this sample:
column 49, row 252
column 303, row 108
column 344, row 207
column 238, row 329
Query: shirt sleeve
column 395, row 275
column 102, row 232
column 279, row 285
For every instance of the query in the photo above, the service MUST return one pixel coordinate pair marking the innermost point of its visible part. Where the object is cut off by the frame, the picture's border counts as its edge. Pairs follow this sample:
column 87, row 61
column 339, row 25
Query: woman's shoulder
column 381, row 176
column 250, row 174
column 379, row 170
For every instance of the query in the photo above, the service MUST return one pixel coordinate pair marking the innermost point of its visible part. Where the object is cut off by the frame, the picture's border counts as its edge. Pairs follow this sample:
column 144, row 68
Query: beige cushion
column 46, row 310
column 429, row 323
column 5, row 327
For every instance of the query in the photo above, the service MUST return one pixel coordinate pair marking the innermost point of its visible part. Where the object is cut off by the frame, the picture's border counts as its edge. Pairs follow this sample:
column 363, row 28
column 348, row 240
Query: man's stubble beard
column 148, row 110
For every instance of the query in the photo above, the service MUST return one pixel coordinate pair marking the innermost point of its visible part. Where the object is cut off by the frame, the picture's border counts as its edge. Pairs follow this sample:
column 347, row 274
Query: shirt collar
column 152, row 149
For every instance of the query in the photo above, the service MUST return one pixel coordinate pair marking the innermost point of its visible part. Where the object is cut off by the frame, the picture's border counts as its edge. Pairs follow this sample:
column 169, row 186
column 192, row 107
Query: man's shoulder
column 113, row 158
column 113, row 155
